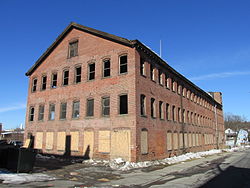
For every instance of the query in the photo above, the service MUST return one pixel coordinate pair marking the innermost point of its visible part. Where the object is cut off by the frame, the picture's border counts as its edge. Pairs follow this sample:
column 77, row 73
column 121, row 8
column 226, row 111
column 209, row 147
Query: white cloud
column 12, row 108
column 219, row 75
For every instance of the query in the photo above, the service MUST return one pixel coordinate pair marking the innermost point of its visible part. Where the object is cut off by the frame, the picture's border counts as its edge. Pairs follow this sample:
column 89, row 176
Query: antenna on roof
column 160, row 48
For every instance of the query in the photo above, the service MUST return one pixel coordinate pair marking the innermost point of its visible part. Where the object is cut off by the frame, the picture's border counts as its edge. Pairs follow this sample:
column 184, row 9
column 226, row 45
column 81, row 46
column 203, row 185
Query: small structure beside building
column 242, row 137
column 231, row 136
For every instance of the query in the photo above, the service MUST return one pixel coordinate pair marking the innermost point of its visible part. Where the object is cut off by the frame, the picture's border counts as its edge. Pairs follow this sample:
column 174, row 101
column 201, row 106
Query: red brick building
column 98, row 95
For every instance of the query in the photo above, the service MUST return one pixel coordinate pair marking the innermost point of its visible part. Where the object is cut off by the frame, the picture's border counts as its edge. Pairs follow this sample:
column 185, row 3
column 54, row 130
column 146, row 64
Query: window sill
column 144, row 153
column 144, row 116
column 122, row 115
column 63, row 119
column 161, row 119
column 124, row 73
column 89, row 117
column 77, row 118
column 105, row 77
column 72, row 57
column 144, row 76
column 105, row 116
column 51, row 119
column 153, row 117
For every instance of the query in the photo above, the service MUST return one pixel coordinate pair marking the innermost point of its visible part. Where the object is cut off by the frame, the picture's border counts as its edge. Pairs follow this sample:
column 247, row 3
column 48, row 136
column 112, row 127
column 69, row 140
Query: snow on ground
column 120, row 164
column 18, row 178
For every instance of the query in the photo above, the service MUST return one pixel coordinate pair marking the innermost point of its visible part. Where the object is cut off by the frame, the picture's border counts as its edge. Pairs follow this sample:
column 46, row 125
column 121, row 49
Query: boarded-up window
column 173, row 113
column 190, row 139
column 61, row 137
column 193, row 139
column 106, row 68
column 74, row 141
column 186, row 139
column 179, row 115
column 105, row 106
column 160, row 77
column 123, row 64
column 91, row 71
column 78, row 74
column 123, row 104
column 39, row 140
column 49, row 140
column 169, row 141
column 142, row 67
column 152, row 72
column 90, row 107
column 181, row 140
column 104, row 141
column 144, row 141
column 197, row 139
column 175, row 139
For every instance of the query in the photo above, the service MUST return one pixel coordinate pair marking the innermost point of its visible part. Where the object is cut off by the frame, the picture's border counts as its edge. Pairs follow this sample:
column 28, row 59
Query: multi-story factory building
column 97, row 95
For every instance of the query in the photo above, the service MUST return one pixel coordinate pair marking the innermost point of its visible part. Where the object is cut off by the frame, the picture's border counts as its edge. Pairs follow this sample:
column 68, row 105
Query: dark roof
column 130, row 43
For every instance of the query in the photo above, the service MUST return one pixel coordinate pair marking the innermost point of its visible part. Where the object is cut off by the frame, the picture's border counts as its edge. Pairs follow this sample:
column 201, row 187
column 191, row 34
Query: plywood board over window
column 49, row 140
column 61, row 137
column 39, row 140
column 104, row 141
column 175, row 136
column 169, row 141
column 120, row 144
column 74, row 141
column 193, row 139
column 144, row 142
column 186, row 139
column 88, row 144
column 181, row 140
column 190, row 140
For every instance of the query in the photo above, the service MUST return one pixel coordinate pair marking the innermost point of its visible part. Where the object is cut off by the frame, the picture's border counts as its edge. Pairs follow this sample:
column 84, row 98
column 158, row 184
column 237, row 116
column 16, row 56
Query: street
column 226, row 169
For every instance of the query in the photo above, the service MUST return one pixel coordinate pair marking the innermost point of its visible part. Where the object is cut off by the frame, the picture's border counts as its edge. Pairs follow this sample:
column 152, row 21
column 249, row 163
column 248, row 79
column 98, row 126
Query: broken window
column 73, row 49
column 105, row 106
column 76, row 109
column 32, row 113
column 63, row 110
column 91, row 71
column 51, row 111
column 34, row 85
column 153, row 113
column 123, row 64
column 168, row 111
column 123, row 104
column 143, row 105
column 142, row 67
column 41, row 112
column 66, row 77
column 106, row 68
column 90, row 107
column 78, row 74
column 44, row 82
column 54, row 80
column 161, row 112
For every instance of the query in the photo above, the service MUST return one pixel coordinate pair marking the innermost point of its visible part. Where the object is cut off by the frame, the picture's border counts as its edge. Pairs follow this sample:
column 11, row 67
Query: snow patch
column 12, row 178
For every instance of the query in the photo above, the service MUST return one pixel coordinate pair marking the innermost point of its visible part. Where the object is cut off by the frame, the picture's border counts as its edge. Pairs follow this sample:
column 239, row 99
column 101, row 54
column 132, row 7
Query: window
column 169, row 141
column 66, row 77
column 90, row 107
column 183, row 92
column 188, row 116
column 179, row 89
column 106, row 68
column 41, row 112
column 144, row 141
column 105, row 106
column 63, row 110
column 51, row 111
column 167, row 81
column 34, row 85
column 123, row 64
column 173, row 85
column 160, row 77
column 44, row 82
column 32, row 113
column 54, row 80
column 188, row 94
column 142, row 67
column 78, row 74
column 161, row 111
column 152, row 72
column 179, row 115
column 124, row 104
column 73, row 49
column 173, row 113
column 184, row 116
column 168, row 111
column 143, row 105
column 153, row 113
column 76, row 109
column 91, row 71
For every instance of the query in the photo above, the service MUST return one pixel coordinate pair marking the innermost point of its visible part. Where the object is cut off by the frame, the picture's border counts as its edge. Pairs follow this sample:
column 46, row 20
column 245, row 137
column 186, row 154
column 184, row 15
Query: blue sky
column 206, row 41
